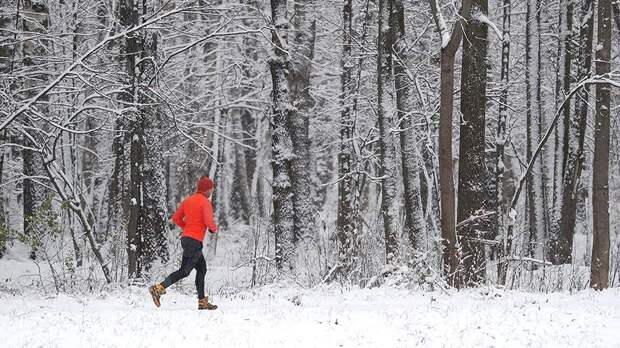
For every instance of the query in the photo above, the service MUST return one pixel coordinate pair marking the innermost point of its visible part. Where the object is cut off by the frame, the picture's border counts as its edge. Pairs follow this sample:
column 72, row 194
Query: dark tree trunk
column 561, row 250
column 472, row 169
column 449, row 48
column 562, row 145
column 411, row 162
column 35, row 21
column 283, row 212
column 346, row 227
column 599, row 271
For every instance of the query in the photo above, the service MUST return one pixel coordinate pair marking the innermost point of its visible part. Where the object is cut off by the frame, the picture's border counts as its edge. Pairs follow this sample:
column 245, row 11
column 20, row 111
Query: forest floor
column 280, row 315
column 276, row 316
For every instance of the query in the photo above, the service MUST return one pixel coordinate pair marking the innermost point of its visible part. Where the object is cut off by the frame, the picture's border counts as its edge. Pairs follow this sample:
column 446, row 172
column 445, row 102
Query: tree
column 282, row 148
column 559, row 239
column 536, row 201
column 599, row 269
column 562, row 246
column 473, row 225
column 35, row 21
column 406, row 109
column 386, row 114
column 304, row 24
column 450, row 42
column 137, row 192
column 345, row 224
column 499, row 165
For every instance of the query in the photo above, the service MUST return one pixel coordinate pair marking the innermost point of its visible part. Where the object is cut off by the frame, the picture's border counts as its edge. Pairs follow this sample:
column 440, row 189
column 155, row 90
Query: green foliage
column 45, row 225
column 4, row 237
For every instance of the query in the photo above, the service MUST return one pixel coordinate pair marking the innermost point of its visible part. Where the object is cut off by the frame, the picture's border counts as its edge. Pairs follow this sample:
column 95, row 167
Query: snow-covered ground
column 279, row 315
column 282, row 316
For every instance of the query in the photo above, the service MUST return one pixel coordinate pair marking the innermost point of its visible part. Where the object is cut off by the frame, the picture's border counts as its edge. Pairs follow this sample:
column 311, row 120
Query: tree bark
column 499, row 164
column 302, row 53
column 561, row 250
column 282, row 148
column 449, row 47
column 535, row 183
column 35, row 21
column 345, row 224
column 406, row 109
column 599, row 269
column 562, row 145
column 386, row 114
column 472, row 169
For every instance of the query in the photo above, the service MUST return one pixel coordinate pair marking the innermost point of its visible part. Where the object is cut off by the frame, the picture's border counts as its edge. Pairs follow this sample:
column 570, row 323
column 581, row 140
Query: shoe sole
column 211, row 308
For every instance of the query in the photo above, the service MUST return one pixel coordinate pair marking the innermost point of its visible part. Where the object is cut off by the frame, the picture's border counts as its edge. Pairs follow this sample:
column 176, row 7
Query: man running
column 194, row 216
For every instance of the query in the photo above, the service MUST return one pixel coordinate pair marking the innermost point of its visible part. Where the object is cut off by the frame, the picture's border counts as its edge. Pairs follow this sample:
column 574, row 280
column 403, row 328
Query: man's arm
column 208, row 217
column 179, row 216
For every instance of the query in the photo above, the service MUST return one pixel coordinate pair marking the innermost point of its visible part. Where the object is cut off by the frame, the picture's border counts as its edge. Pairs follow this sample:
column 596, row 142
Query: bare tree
column 302, row 54
column 472, row 169
column 35, row 20
column 599, row 271
column 282, row 148
column 450, row 42
column 386, row 114
column 407, row 106
column 499, row 165
column 561, row 250
column 346, row 226
column 535, row 184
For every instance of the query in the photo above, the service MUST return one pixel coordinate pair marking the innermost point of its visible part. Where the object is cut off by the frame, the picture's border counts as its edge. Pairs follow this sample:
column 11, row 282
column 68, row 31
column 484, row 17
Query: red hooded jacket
column 194, row 216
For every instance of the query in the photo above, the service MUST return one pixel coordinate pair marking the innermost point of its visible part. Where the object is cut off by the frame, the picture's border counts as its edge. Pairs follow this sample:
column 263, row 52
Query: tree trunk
column 535, row 182
column 449, row 46
column 345, row 224
column 472, row 169
column 386, row 114
column 562, row 145
column 282, row 148
column 411, row 162
column 35, row 21
column 599, row 271
column 561, row 251
column 302, row 53
column 499, row 165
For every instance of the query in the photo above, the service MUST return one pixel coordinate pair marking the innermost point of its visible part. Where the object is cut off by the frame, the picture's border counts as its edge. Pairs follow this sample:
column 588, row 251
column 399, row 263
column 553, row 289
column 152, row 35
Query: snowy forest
column 436, row 145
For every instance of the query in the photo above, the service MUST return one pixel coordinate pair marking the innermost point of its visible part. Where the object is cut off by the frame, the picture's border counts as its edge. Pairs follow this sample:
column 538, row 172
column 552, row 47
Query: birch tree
column 499, row 166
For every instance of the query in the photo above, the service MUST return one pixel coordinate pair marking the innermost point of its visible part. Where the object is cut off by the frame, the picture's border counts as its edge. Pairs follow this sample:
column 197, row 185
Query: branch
column 11, row 116
column 589, row 81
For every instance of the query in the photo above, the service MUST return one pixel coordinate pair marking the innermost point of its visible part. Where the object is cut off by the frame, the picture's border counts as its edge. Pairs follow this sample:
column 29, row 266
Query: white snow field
column 276, row 316
column 282, row 315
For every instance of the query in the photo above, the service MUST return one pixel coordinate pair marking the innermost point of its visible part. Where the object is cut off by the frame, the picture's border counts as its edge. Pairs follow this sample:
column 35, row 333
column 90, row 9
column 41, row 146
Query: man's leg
column 201, row 271
column 182, row 272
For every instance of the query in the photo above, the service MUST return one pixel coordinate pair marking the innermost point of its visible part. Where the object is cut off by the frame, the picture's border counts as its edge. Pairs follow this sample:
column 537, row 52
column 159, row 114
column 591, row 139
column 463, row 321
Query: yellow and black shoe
column 156, row 291
column 204, row 304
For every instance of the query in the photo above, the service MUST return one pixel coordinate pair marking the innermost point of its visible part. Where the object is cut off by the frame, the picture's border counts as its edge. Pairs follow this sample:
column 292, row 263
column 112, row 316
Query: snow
column 287, row 315
column 325, row 317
